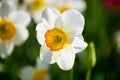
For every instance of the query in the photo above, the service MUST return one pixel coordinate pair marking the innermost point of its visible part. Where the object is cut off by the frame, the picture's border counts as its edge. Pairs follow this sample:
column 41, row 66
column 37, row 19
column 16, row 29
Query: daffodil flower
column 40, row 72
column 60, row 36
column 35, row 7
column 13, row 29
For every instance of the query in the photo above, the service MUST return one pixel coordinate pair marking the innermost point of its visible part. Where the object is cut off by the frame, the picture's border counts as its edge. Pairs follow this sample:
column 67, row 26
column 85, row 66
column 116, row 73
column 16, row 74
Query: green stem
column 88, row 74
column 71, row 74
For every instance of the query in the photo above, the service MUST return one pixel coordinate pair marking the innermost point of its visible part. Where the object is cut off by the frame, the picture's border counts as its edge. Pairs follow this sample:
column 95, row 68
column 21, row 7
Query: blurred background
column 102, row 27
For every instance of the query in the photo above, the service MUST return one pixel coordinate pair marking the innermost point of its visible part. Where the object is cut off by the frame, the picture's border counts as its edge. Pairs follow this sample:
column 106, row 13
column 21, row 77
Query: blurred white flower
column 35, row 7
column 60, row 36
column 40, row 72
column 13, row 27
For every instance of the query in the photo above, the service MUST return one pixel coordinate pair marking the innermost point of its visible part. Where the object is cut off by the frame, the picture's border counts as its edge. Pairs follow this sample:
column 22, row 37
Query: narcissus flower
column 13, row 29
column 40, row 72
column 60, row 36
column 35, row 7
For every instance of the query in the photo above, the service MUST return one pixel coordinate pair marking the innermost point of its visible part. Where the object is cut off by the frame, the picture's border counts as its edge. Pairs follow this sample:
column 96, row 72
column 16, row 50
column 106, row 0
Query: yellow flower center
column 63, row 8
column 7, row 30
column 38, row 4
column 39, row 74
column 56, row 39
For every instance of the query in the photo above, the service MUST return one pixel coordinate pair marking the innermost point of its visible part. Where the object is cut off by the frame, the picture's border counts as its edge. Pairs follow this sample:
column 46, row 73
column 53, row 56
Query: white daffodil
column 40, row 72
column 35, row 7
column 13, row 29
column 60, row 36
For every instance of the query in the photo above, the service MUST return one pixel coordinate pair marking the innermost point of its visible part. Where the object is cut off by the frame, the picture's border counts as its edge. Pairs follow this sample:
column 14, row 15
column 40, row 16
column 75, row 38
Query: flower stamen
column 38, row 4
column 7, row 30
column 55, row 39
column 63, row 8
column 39, row 74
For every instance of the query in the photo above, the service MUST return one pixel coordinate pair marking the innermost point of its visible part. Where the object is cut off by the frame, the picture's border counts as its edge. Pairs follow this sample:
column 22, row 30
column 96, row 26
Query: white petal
column 51, row 2
column 61, row 3
column 77, row 4
column 57, row 55
column 20, row 18
column 41, row 30
column 59, row 22
column 41, row 64
column 46, row 55
column 37, row 16
column 40, row 35
column 21, row 36
column 6, row 8
column 50, row 15
column 26, row 73
column 79, row 44
column 73, row 21
column 6, row 48
column 66, row 61
column 80, row 36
